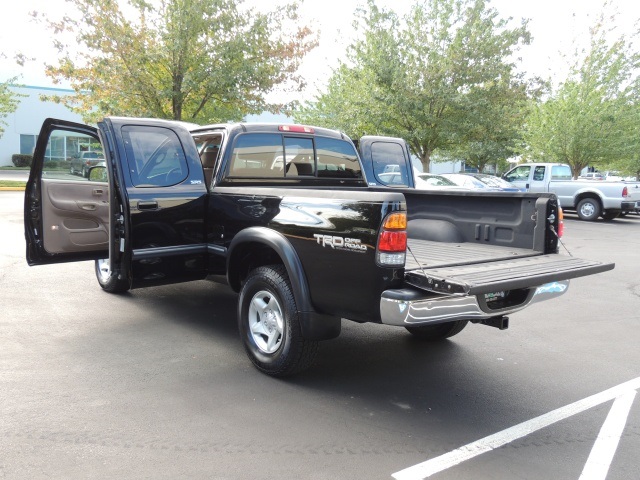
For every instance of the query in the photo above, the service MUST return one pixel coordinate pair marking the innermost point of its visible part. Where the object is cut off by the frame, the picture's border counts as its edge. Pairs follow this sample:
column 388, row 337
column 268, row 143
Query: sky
column 556, row 26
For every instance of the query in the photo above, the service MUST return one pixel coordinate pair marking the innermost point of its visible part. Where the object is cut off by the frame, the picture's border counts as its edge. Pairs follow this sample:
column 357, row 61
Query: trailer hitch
column 500, row 322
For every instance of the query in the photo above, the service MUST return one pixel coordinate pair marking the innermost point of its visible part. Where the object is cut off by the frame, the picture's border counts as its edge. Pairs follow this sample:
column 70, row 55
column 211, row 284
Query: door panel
column 75, row 216
column 66, row 216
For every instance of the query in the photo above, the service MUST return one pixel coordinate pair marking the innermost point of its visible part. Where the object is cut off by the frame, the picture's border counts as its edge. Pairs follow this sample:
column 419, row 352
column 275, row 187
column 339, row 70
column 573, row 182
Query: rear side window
column 269, row 155
column 155, row 156
column 538, row 174
column 561, row 172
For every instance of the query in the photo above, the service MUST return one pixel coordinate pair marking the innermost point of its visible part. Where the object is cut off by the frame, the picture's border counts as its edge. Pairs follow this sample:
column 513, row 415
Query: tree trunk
column 425, row 159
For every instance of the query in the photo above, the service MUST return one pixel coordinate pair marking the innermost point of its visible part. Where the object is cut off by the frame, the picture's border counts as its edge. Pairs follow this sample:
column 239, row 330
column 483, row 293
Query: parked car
column 589, row 199
column 81, row 164
column 592, row 176
column 496, row 183
column 432, row 181
column 466, row 181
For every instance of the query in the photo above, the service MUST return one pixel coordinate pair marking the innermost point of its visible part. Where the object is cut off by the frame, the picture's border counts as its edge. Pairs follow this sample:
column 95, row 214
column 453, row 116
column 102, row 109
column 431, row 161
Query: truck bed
column 473, row 269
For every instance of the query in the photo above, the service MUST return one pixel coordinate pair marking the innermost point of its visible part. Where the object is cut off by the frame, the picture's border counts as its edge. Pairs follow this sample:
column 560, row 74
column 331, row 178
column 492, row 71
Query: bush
column 21, row 160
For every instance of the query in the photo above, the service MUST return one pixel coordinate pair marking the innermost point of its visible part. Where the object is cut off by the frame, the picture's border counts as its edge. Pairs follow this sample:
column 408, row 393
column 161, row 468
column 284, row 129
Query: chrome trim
column 216, row 249
column 427, row 309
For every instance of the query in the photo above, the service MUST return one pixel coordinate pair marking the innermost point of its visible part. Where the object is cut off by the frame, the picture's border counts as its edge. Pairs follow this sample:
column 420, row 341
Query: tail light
column 560, row 222
column 392, row 242
column 625, row 192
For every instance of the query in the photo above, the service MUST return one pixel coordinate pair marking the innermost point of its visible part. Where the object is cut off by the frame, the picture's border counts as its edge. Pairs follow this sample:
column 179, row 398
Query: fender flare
column 315, row 326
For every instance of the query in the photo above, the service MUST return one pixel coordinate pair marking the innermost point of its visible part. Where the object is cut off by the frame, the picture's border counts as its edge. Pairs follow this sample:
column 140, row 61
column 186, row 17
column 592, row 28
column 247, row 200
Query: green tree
column 192, row 60
column 592, row 118
column 9, row 101
column 493, row 120
column 418, row 76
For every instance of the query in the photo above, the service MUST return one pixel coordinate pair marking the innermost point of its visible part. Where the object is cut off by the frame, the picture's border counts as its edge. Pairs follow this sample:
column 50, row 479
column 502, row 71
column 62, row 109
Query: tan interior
column 75, row 215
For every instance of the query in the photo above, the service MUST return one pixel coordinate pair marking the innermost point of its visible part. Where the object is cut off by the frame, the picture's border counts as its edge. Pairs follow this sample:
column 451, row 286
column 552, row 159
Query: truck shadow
column 383, row 369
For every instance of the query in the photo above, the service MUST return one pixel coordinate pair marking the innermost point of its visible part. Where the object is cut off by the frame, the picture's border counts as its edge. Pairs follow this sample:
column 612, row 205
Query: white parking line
column 471, row 450
column 606, row 444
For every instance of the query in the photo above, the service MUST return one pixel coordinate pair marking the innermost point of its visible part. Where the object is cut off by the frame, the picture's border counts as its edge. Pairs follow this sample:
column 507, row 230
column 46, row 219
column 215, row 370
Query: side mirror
column 98, row 174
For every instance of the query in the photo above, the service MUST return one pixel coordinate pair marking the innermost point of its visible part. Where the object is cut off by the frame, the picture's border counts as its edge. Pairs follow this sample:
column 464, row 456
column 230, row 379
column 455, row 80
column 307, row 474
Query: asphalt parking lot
column 155, row 383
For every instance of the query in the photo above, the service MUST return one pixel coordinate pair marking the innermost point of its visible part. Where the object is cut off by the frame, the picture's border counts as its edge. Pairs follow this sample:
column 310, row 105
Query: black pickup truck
column 284, row 215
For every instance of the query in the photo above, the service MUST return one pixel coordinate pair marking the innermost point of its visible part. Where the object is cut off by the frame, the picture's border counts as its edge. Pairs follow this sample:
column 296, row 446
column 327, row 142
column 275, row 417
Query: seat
column 304, row 168
column 208, row 159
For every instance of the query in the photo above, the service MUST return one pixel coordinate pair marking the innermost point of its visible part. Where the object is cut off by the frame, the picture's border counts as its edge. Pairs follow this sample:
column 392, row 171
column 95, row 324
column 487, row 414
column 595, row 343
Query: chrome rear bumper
column 407, row 307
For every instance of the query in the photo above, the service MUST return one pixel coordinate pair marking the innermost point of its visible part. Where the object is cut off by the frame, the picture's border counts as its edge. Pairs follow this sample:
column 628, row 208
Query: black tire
column 589, row 209
column 608, row 216
column 269, row 325
column 109, row 280
column 439, row 331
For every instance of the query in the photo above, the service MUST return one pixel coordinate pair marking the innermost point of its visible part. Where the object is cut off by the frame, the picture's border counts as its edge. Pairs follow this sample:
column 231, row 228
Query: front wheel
column 109, row 280
column 588, row 209
column 269, row 325
column 439, row 331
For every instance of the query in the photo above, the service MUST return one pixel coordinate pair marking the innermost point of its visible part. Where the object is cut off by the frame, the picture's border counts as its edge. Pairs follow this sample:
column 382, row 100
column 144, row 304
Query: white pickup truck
column 590, row 199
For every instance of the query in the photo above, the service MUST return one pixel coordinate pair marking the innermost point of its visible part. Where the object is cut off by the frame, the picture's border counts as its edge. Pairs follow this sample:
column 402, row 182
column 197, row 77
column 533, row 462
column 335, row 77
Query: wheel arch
column 581, row 195
column 259, row 246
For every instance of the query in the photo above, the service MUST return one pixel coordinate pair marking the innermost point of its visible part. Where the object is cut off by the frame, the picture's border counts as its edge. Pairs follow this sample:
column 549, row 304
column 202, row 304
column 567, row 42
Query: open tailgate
column 473, row 269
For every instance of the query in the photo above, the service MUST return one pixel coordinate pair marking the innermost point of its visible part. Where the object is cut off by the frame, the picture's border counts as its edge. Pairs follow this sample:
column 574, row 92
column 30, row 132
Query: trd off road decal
column 340, row 243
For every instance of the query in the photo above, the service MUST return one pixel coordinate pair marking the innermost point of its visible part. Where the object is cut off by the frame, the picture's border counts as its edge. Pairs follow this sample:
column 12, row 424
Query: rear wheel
column 109, row 280
column 438, row 331
column 588, row 209
column 269, row 325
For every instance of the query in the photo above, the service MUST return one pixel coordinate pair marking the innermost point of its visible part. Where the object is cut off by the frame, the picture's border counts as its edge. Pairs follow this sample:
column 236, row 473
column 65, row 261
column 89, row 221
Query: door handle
column 88, row 206
column 147, row 205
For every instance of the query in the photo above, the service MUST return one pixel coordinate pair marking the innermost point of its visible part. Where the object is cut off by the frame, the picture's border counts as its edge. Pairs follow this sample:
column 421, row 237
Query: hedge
column 21, row 160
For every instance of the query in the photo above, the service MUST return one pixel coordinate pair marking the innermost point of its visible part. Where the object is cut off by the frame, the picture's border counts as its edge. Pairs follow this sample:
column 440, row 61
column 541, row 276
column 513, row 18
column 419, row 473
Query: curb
column 12, row 189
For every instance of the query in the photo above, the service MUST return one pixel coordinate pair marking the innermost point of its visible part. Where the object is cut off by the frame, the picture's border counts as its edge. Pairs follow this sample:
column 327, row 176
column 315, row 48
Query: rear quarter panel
column 568, row 191
column 333, row 231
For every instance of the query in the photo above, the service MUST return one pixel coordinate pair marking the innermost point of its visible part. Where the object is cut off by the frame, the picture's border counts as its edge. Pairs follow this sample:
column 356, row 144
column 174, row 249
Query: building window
column 27, row 144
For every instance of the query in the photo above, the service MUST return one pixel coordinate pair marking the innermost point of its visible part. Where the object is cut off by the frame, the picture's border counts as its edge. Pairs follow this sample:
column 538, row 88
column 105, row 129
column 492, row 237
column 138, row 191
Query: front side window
column 518, row 174
column 155, row 156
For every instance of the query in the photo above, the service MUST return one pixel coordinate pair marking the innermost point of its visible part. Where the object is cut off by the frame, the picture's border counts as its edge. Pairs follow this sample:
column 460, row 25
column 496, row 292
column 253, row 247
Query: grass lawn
column 12, row 183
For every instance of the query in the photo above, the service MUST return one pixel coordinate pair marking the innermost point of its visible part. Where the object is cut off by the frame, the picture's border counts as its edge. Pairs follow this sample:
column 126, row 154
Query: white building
column 24, row 124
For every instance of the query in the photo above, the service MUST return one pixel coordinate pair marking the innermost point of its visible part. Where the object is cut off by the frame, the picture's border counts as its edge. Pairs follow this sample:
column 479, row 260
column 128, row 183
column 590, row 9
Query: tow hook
column 500, row 322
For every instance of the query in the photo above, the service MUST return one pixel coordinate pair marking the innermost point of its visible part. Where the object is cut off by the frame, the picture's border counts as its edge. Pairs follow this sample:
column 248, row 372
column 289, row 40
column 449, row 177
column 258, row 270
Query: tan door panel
column 75, row 215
